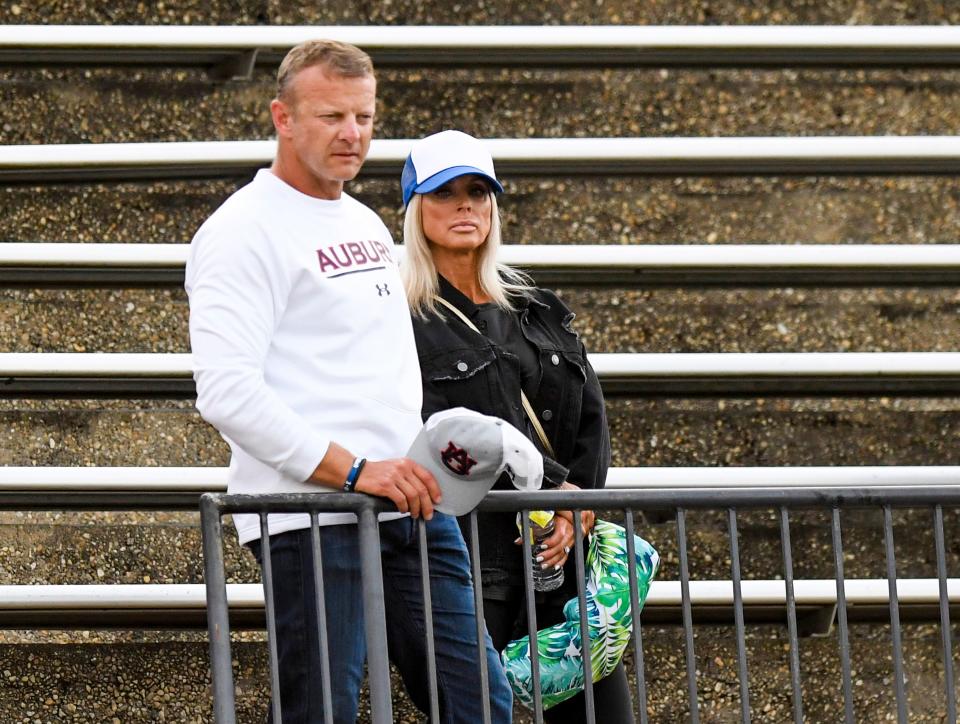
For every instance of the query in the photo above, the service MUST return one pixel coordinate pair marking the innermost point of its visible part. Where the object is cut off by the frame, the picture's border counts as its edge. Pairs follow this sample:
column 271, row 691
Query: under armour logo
column 457, row 459
column 383, row 291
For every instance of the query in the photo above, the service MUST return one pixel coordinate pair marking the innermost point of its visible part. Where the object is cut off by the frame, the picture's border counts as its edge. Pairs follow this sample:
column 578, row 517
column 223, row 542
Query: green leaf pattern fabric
column 609, row 620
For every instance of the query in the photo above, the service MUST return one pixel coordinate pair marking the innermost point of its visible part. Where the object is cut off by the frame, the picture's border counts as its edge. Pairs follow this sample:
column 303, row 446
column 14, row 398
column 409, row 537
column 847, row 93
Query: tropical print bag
column 609, row 620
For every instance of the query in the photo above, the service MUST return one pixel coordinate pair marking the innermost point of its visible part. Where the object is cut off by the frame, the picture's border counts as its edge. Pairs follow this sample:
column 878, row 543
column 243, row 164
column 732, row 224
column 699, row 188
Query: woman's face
column 456, row 216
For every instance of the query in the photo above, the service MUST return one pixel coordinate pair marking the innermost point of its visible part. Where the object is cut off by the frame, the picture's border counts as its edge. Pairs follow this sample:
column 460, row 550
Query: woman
column 519, row 338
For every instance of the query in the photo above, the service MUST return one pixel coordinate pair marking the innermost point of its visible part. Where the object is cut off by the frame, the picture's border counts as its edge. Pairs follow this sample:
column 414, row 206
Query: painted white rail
column 662, row 593
column 741, row 155
column 572, row 256
column 611, row 364
column 708, row 46
column 171, row 606
column 71, row 374
column 73, row 264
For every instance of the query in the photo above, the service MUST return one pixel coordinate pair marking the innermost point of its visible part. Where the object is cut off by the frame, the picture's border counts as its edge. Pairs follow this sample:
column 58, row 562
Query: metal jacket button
column 462, row 366
column 555, row 359
column 547, row 415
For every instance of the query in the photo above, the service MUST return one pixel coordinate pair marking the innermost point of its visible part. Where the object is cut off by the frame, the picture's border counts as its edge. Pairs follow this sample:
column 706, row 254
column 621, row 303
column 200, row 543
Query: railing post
column 321, row 604
column 946, row 638
column 374, row 616
column 635, row 617
column 421, row 526
column 894, row 616
column 687, row 616
column 218, row 615
column 531, row 615
column 271, row 615
column 842, row 617
column 791, row 616
column 586, row 649
column 481, row 626
column 738, row 617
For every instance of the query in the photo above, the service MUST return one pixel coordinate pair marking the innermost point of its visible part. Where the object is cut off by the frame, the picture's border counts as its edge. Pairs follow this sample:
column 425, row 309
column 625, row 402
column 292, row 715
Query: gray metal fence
column 675, row 502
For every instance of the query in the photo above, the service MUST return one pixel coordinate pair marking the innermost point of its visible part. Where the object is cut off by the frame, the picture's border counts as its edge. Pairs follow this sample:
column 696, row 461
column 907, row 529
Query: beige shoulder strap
column 527, row 407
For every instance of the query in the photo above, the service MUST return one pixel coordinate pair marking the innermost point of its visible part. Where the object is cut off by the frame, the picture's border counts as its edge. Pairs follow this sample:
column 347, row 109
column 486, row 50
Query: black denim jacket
column 461, row 368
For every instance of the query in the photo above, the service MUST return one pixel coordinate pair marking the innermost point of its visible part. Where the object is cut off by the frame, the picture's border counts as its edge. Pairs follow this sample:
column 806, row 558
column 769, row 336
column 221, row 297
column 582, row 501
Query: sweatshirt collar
column 265, row 175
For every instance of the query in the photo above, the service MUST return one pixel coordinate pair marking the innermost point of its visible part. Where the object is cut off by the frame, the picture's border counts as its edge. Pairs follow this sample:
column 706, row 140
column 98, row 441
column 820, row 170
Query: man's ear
column 281, row 113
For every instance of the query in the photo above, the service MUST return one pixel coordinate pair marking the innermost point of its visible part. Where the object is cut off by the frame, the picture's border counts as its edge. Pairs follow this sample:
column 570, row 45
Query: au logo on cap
column 457, row 459
column 465, row 475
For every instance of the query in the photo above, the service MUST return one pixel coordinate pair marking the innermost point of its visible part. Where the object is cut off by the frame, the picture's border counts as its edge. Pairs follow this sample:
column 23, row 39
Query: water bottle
column 541, row 528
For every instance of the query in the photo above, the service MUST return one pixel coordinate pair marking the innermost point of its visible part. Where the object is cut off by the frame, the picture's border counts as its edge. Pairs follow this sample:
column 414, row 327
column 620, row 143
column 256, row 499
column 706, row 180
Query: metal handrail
column 514, row 156
column 197, row 480
column 240, row 48
column 99, row 264
column 179, row 488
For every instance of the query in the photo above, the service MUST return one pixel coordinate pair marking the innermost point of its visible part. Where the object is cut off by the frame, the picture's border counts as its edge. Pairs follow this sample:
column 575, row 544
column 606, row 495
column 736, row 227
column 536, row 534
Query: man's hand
column 410, row 486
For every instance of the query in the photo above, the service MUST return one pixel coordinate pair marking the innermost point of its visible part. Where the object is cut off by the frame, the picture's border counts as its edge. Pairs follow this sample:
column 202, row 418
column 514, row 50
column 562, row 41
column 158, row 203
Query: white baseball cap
column 436, row 159
column 467, row 452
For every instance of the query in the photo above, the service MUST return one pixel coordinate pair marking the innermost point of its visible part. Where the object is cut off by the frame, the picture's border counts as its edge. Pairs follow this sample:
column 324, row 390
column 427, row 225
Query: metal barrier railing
column 214, row 506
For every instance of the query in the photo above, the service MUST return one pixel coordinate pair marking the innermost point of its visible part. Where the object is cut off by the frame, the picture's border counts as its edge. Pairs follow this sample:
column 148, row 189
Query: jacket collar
column 466, row 305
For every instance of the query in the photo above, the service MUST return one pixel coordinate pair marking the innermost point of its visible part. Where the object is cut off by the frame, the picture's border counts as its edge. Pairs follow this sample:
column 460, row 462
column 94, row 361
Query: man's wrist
column 351, row 482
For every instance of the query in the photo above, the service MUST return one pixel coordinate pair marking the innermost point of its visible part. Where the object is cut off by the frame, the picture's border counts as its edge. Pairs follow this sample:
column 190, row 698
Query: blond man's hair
column 342, row 59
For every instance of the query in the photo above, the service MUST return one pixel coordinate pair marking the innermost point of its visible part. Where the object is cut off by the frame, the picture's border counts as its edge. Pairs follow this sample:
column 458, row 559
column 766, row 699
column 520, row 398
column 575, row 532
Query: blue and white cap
column 436, row 159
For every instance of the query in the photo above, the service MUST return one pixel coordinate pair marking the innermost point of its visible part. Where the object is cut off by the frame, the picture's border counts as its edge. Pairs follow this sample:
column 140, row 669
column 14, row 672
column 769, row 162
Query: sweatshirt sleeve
column 238, row 286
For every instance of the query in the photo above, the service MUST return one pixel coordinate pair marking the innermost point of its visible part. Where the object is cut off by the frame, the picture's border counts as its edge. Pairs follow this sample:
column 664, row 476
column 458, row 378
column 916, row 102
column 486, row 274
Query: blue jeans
column 454, row 622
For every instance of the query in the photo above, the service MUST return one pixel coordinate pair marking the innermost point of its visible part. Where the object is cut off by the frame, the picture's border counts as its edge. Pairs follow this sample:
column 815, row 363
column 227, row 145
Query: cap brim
column 460, row 496
column 440, row 178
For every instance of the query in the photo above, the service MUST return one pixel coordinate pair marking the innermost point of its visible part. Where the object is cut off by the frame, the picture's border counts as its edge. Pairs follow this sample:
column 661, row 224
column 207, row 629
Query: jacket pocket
column 457, row 364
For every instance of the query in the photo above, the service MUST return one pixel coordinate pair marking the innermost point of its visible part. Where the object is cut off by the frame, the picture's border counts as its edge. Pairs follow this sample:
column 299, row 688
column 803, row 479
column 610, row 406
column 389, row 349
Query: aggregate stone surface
column 609, row 320
column 561, row 209
column 511, row 12
column 96, row 432
column 168, row 681
column 784, row 431
column 155, row 104
column 708, row 431
column 147, row 682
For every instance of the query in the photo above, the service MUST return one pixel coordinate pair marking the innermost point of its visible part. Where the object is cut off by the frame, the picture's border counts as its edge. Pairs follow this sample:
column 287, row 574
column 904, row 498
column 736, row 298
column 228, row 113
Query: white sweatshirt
column 301, row 336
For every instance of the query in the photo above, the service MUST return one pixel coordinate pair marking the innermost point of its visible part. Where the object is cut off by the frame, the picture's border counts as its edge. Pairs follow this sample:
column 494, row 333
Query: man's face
column 326, row 121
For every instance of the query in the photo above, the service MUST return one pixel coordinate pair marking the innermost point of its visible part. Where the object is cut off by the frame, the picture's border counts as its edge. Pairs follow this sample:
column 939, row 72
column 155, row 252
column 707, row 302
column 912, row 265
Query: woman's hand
column 587, row 518
column 555, row 550
column 558, row 545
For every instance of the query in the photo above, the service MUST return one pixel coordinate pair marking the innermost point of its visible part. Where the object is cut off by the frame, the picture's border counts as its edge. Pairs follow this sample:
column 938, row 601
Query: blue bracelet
column 354, row 473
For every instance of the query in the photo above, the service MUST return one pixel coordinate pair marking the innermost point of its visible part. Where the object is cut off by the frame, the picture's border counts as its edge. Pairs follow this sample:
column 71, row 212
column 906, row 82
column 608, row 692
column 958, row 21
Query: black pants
column 611, row 695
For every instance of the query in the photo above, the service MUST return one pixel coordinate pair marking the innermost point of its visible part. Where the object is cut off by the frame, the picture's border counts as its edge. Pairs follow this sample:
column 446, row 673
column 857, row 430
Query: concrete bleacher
column 571, row 159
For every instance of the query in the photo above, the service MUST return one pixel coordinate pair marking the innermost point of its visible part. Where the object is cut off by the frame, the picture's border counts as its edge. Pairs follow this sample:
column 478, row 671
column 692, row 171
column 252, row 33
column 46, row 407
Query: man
column 304, row 360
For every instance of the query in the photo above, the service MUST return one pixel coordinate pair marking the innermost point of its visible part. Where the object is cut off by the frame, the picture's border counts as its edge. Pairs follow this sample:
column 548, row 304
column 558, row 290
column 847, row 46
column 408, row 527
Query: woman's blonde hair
column 499, row 281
